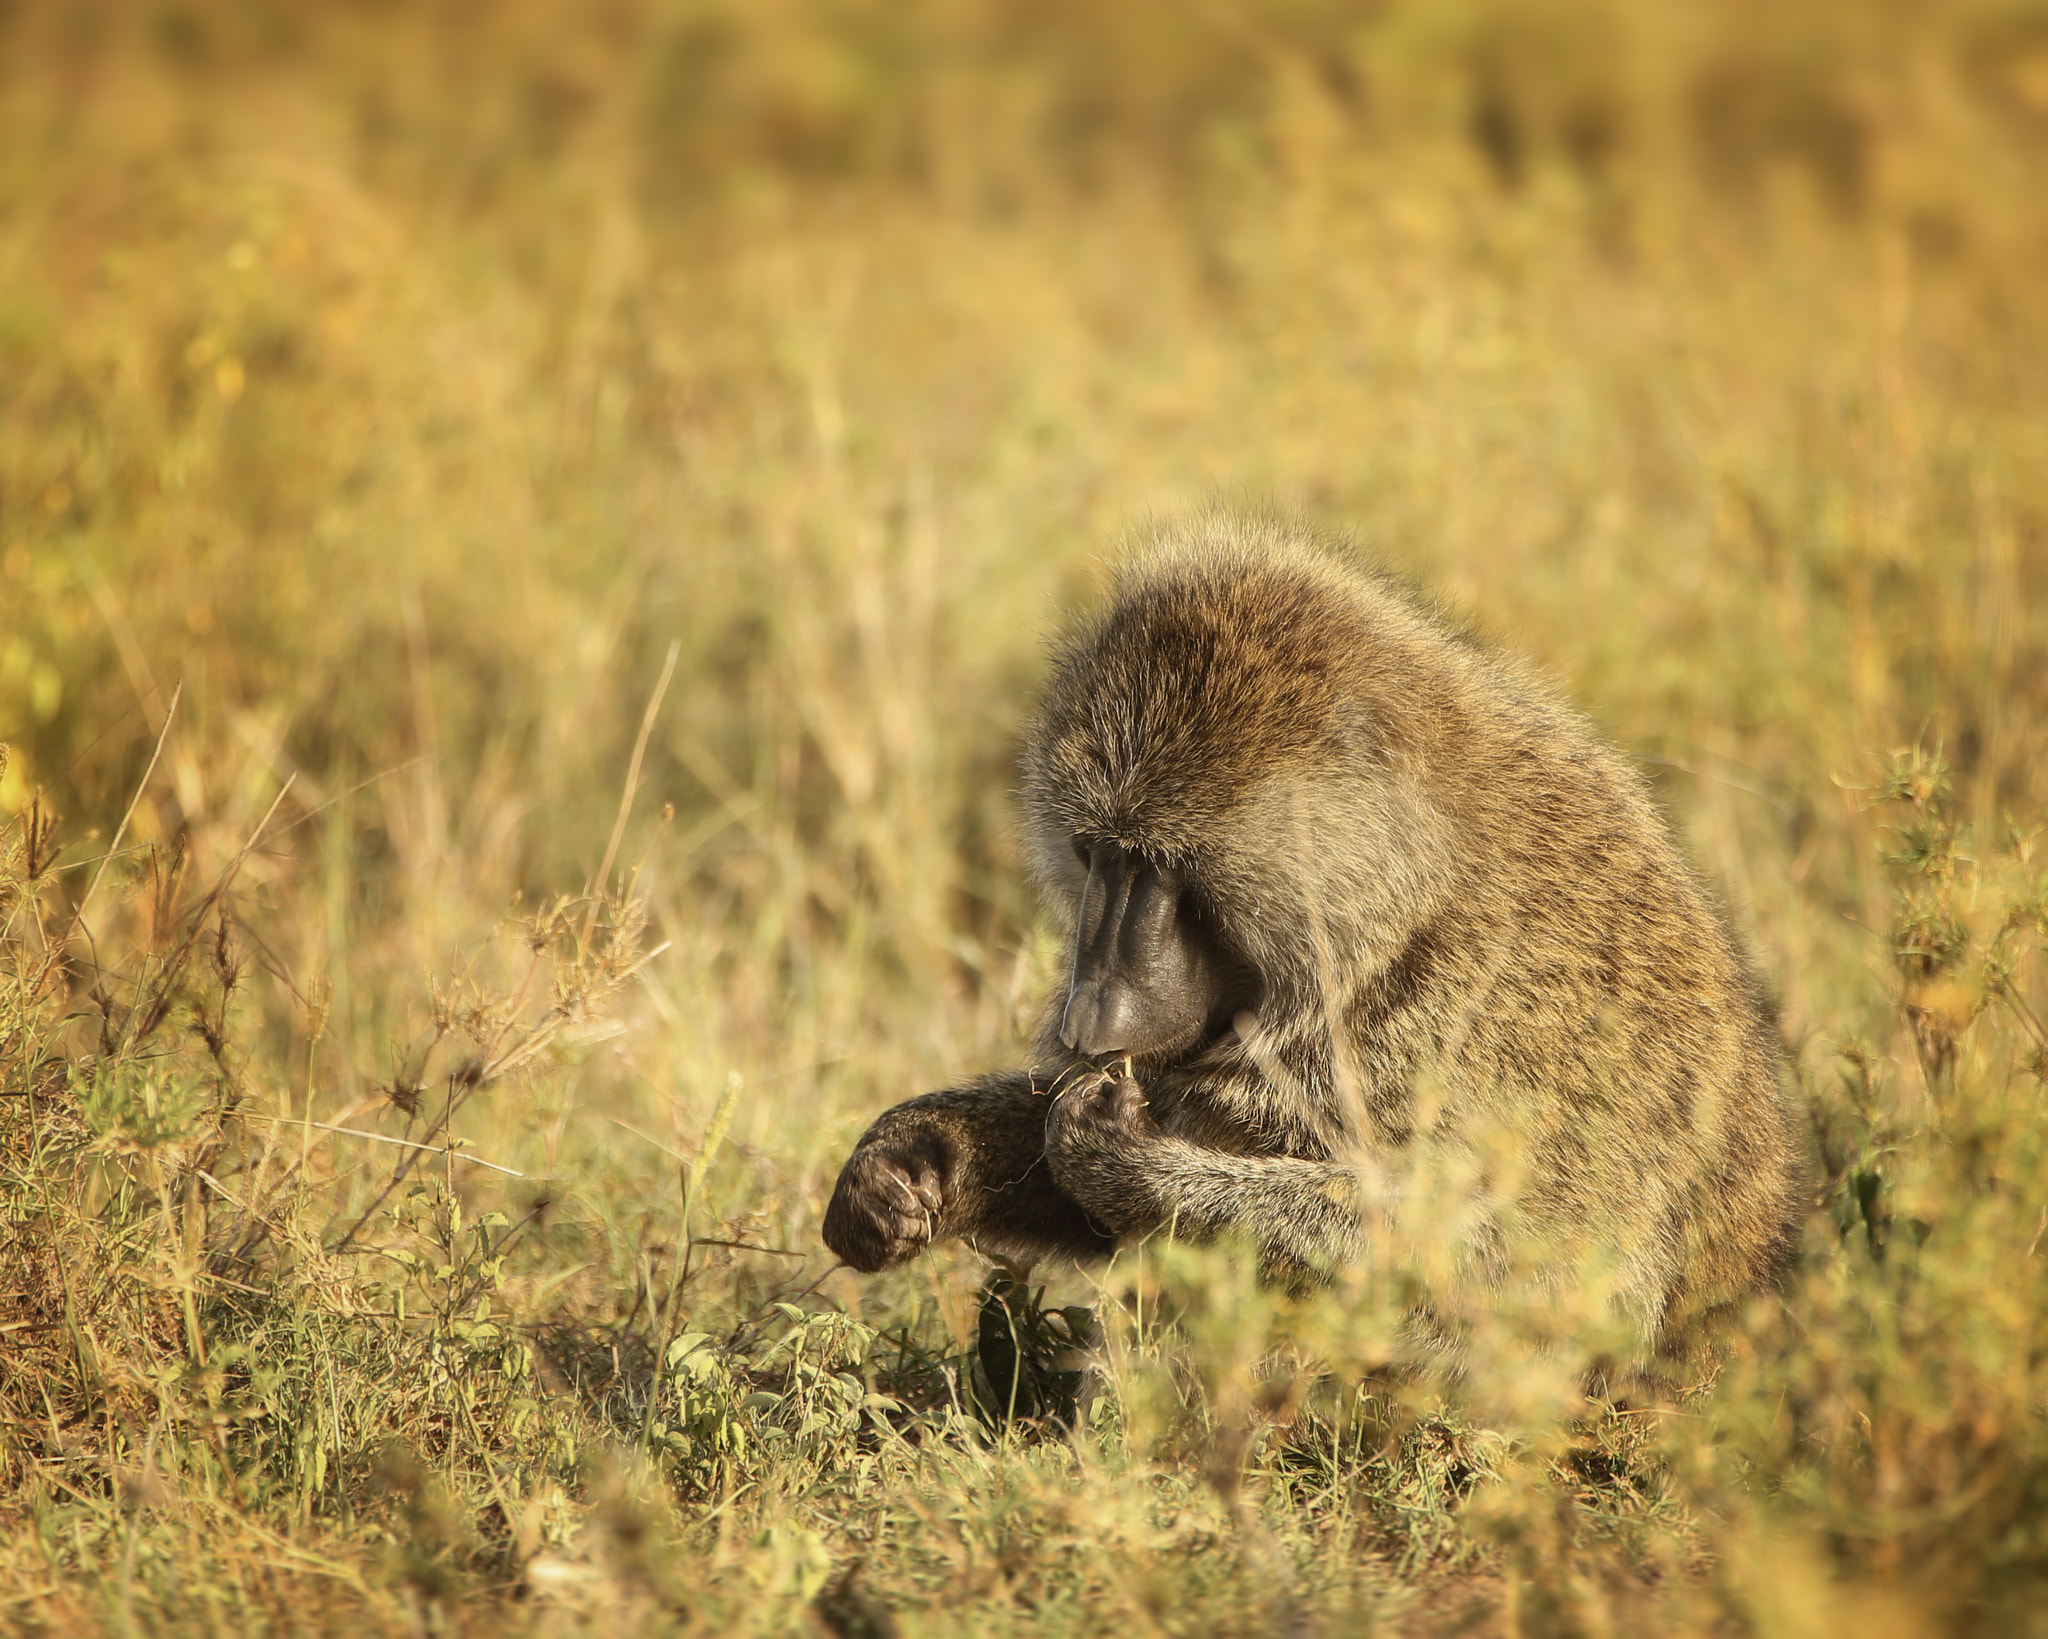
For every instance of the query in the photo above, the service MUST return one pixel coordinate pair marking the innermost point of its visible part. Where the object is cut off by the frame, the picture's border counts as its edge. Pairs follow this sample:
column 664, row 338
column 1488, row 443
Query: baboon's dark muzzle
column 1146, row 977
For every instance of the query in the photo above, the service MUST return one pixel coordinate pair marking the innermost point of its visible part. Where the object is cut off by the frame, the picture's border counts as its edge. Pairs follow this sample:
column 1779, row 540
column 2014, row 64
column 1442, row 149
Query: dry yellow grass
column 401, row 383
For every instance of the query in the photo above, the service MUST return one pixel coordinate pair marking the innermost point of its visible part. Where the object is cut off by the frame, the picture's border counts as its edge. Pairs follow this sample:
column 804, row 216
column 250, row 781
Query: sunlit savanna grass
column 392, row 388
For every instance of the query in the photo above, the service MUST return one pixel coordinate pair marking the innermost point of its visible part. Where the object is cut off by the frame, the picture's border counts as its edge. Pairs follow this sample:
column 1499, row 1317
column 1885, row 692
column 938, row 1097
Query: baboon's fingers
column 1107, row 1112
column 883, row 1211
column 921, row 1194
column 1126, row 1100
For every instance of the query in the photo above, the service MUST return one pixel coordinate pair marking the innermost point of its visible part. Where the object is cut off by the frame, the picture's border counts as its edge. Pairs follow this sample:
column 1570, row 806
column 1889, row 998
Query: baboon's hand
column 889, row 1200
column 1096, row 1134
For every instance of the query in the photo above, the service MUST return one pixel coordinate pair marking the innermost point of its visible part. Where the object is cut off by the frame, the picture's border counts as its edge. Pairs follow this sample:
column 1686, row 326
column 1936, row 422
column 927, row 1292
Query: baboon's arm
column 1107, row 1153
column 967, row 1162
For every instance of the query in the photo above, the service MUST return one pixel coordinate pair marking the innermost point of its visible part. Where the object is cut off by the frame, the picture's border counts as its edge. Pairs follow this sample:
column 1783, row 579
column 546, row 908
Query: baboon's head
column 1210, row 794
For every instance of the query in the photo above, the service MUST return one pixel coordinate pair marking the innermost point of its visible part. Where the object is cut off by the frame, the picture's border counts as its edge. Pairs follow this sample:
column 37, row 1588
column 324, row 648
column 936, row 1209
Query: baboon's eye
column 1081, row 849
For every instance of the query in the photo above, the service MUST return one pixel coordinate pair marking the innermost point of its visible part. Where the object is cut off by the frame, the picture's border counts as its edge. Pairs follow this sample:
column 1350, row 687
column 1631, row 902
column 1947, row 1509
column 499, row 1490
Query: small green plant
column 1967, row 922
column 1030, row 1363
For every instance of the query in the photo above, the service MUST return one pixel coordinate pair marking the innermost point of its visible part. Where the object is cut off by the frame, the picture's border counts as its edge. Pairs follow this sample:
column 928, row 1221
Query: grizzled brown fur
column 1455, row 921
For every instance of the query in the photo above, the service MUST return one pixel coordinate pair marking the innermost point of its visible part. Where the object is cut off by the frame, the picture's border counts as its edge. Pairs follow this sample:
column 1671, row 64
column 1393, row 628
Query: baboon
column 1344, row 886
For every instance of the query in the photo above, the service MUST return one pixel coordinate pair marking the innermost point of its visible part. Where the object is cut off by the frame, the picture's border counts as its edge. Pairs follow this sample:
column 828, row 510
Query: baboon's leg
column 966, row 1162
column 1108, row 1154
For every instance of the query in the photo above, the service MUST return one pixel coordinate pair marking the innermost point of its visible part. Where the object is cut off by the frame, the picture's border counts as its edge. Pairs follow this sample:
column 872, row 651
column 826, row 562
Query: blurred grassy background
column 404, row 381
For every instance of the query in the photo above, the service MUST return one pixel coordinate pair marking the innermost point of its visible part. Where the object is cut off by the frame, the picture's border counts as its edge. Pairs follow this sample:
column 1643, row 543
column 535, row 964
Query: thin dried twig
column 455, row 1150
column 121, row 830
column 611, row 850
